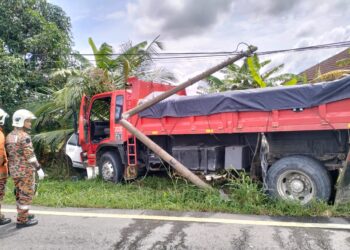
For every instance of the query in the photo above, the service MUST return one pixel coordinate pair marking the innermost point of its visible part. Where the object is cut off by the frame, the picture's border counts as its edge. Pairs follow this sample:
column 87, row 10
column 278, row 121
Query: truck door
column 83, row 124
column 100, row 114
column 118, row 129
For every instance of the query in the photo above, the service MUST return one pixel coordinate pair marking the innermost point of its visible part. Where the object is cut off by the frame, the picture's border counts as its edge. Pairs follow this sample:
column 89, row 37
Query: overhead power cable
column 225, row 53
column 210, row 54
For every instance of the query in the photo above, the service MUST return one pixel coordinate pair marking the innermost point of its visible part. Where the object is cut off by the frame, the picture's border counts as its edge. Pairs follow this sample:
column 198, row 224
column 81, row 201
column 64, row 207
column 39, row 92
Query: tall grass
column 163, row 193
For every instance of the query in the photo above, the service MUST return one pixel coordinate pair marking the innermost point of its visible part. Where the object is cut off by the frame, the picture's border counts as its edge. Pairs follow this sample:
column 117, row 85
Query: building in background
column 332, row 68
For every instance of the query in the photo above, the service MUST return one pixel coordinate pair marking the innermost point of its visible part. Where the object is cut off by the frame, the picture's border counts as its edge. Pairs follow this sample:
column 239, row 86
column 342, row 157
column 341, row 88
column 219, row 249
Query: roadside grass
column 164, row 193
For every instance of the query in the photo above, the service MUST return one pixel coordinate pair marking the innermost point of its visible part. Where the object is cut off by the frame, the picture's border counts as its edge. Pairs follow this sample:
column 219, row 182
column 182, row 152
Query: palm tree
column 249, row 75
column 133, row 60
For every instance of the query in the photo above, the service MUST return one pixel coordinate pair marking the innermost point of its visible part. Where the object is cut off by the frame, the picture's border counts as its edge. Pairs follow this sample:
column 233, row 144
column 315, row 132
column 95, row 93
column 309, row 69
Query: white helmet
column 3, row 116
column 20, row 116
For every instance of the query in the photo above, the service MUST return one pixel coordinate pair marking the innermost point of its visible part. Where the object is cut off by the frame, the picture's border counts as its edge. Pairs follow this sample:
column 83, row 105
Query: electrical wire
column 176, row 57
column 185, row 55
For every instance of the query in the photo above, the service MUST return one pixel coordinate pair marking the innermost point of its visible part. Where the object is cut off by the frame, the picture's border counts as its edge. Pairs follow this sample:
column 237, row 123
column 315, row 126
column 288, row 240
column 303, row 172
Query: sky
column 213, row 25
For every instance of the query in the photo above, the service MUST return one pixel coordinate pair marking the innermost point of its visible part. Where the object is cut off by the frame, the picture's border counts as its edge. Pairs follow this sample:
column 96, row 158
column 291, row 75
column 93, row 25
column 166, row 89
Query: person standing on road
column 22, row 165
column 3, row 166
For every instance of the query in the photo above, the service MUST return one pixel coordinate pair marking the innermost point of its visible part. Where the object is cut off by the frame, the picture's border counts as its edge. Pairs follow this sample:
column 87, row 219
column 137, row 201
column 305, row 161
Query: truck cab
column 104, row 142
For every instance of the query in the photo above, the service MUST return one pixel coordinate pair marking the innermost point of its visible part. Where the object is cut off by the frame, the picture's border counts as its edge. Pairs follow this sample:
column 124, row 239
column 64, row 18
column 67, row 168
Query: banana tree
column 249, row 75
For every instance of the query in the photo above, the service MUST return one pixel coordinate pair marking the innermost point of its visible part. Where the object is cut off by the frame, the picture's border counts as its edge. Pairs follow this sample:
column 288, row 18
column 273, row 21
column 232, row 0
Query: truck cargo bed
column 324, row 106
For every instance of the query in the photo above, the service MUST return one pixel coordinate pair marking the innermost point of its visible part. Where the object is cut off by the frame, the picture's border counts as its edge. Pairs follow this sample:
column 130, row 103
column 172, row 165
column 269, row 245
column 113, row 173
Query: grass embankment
column 162, row 193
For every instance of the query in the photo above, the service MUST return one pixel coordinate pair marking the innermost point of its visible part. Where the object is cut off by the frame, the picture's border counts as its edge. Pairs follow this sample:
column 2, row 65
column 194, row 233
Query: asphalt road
column 71, row 228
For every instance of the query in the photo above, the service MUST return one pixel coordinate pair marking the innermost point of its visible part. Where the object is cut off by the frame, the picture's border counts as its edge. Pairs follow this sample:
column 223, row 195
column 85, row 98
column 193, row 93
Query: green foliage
column 250, row 75
column 103, row 55
column 52, row 139
column 254, row 68
column 36, row 27
column 159, row 193
column 12, row 85
column 55, row 113
column 133, row 60
column 245, row 192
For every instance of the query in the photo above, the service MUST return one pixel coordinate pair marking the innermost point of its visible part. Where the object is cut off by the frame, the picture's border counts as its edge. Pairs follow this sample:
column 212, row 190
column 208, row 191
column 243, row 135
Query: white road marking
column 191, row 219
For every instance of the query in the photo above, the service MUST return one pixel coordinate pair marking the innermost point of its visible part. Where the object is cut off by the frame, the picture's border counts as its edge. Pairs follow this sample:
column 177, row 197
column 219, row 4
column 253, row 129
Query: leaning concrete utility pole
column 180, row 168
column 343, row 184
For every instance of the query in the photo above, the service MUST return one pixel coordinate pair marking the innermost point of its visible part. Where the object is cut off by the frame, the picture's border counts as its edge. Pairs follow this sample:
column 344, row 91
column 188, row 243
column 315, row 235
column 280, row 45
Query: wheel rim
column 107, row 171
column 296, row 185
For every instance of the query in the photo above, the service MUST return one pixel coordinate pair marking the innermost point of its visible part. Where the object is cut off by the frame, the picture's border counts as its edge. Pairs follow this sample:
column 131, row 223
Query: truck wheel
column 111, row 167
column 299, row 178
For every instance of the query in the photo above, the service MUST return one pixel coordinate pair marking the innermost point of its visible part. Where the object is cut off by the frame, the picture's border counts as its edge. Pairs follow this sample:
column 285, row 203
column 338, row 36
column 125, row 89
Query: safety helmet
column 3, row 116
column 20, row 116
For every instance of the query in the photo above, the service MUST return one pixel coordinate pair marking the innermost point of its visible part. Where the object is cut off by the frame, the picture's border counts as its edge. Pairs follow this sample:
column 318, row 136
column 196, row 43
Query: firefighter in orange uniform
column 3, row 166
column 22, row 165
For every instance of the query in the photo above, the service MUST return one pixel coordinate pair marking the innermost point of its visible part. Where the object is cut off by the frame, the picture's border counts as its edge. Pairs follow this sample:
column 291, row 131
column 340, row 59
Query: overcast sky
column 213, row 25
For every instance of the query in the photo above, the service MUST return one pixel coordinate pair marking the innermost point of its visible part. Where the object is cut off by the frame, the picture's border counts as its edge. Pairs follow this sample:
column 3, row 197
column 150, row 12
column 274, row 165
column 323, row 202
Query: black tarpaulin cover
column 264, row 99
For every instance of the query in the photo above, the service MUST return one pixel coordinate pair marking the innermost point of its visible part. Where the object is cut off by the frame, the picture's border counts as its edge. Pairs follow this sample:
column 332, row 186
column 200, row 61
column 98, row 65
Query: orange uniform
column 3, row 157
column 3, row 173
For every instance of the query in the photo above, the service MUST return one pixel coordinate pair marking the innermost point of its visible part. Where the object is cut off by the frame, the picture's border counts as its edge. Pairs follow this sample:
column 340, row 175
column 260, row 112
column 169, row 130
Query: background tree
column 34, row 40
column 12, row 85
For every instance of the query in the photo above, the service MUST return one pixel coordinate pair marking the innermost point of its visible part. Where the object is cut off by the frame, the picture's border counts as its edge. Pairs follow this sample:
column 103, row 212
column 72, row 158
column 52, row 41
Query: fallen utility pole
column 343, row 185
column 180, row 168
column 188, row 83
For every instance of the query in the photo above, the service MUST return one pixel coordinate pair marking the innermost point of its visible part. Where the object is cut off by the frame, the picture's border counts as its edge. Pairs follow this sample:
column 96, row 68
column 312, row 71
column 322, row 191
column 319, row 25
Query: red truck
column 294, row 138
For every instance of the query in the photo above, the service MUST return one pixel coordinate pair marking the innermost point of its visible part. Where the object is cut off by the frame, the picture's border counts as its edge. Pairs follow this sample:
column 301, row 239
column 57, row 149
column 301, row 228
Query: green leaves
column 103, row 55
column 254, row 71
column 36, row 27
column 132, row 60
column 291, row 82
column 54, row 138
column 12, row 84
column 250, row 75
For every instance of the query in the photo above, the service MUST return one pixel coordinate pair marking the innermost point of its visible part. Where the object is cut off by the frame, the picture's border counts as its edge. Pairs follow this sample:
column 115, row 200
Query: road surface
column 81, row 228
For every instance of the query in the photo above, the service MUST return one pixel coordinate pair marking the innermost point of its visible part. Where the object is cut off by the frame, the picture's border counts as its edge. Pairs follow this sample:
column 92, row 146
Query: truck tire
column 299, row 178
column 111, row 167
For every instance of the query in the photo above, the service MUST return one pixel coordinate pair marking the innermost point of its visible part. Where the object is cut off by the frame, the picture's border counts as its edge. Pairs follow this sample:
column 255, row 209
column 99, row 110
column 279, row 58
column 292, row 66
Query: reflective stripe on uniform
column 33, row 159
column 23, row 207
